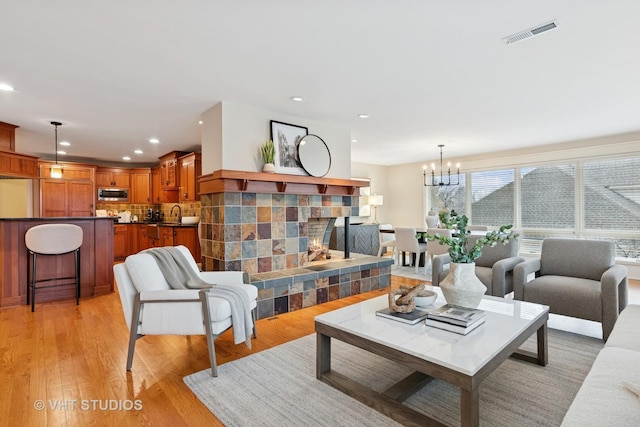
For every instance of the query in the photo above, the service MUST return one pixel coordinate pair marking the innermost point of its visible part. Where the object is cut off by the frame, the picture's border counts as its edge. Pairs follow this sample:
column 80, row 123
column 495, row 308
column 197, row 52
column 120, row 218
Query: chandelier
column 56, row 170
column 438, row 182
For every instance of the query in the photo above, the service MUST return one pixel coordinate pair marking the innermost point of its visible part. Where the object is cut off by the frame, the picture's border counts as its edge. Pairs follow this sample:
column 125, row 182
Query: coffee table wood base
column 390, row 401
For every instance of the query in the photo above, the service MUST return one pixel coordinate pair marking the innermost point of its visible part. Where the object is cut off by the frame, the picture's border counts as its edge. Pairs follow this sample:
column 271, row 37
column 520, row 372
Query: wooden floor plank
column 67, row 352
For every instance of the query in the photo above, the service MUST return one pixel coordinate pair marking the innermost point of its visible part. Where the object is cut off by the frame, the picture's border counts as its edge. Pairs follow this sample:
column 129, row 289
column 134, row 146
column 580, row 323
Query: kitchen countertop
column 159, row 224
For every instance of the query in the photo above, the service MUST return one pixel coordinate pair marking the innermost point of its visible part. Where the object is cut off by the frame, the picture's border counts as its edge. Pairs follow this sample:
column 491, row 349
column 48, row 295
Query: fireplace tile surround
column 261, row 223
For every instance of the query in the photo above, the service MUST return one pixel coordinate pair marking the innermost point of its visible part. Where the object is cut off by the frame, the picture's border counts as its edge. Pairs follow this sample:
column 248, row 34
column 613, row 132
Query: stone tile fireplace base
column 262, row 224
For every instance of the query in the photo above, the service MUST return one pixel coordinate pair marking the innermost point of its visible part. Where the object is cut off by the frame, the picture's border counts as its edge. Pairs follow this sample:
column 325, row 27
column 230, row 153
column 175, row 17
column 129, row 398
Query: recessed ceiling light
column 363, row 116
column 154, row 141
column 62, row 152
column 126, row 158
column 65, row 143
column 5, row 87
column 138, row 151
column 199, row 122
column 354, row 140
column 297, row 98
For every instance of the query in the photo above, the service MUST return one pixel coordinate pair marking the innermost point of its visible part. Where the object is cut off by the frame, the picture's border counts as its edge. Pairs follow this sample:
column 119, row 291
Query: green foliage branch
column 458, row 250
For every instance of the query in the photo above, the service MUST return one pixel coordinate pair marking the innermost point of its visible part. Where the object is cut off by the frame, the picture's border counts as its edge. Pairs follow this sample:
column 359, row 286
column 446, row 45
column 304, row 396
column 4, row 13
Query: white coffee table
column 462, row 360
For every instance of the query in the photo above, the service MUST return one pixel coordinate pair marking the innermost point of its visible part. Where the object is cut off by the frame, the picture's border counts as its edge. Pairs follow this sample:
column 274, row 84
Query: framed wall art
column 285, row 139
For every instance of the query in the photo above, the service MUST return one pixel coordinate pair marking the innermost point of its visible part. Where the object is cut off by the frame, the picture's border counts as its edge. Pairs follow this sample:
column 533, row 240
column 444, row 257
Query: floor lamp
column 375, row 201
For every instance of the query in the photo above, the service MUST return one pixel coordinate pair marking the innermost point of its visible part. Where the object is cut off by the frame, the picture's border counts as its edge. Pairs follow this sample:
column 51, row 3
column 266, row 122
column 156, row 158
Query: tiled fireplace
column 262, row 224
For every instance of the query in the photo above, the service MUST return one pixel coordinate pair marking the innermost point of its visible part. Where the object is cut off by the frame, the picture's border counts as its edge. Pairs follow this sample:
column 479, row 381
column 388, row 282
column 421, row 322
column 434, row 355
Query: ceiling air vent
column 531, row 32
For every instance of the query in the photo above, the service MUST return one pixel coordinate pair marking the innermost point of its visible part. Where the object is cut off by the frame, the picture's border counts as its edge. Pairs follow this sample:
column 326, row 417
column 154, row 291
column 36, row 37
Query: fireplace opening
column 319, row 235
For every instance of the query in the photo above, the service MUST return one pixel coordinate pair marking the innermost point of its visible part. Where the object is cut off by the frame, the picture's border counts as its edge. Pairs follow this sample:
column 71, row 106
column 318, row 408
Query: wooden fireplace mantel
column 224, row 180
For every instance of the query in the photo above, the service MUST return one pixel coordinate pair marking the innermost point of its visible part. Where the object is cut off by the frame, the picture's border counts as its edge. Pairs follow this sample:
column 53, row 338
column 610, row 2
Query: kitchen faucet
column 179, row 212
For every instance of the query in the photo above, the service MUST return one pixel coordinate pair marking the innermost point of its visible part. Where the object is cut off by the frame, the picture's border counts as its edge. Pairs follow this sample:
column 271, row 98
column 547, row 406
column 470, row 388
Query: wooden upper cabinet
column 156, row 185
column 169, row 169
column 71, row 196
column 113, row 177
column 141, row 185
column 73, row 171
column 7, row 136
column 190, row 167
column 18, row 165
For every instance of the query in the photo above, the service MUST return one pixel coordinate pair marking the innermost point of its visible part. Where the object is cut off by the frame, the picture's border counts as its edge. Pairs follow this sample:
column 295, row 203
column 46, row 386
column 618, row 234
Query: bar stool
column 49, row 240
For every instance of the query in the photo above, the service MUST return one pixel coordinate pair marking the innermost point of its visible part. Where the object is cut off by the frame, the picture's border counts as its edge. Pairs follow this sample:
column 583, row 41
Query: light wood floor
column 72, row 358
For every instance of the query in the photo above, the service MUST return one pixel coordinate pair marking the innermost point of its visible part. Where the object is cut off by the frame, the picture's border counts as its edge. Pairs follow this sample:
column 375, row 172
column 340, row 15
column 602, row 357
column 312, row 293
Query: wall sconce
column 375, row 201
column 56, row 170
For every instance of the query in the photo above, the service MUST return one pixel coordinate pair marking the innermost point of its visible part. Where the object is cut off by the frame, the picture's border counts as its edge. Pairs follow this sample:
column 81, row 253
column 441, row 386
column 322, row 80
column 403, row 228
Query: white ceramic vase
column 462, row 287
column 269, row 168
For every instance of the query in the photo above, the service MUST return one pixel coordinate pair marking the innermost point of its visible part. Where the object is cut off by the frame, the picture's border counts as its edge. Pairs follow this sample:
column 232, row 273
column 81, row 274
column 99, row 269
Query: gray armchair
column 577, row 278
column 494, row 268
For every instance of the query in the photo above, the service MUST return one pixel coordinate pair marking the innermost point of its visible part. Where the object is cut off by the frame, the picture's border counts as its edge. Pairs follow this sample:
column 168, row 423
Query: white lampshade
column 56, row 171
column 375, row 200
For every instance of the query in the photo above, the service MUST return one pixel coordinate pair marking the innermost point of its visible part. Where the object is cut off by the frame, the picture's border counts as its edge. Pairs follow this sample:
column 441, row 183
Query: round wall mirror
column 314, row 155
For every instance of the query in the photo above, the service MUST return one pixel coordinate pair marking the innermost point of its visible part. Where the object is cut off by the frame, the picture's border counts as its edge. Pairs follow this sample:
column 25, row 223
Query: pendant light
column 56, row 170
column 435, row 182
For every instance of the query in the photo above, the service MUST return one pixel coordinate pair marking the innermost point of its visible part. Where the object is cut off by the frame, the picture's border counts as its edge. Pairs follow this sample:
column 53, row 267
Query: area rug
column 277, row 387
column 410, row 272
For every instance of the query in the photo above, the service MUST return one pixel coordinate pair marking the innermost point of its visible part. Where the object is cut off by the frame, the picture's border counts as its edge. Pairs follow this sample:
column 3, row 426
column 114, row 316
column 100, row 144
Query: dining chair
column 386, row 240
column 433, row 246
column 406, row 241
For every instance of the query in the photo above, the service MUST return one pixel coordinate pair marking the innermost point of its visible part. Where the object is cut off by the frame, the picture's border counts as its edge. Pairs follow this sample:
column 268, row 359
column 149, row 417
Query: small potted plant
column 268, row 153
column 462, row 287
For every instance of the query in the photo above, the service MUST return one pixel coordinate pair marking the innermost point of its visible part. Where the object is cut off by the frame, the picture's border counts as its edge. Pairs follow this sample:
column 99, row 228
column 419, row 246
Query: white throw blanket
column 180, row 275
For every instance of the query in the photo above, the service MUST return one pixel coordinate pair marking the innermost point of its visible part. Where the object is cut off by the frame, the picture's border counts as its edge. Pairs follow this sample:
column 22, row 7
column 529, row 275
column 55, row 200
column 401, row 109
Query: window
column 492, row 197
column 612, row 194
column 451, row 197
column 547, row 197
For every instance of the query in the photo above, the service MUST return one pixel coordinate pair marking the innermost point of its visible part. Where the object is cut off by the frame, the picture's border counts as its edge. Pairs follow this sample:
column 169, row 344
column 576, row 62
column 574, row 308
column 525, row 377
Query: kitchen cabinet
column 66, row 198
column 190, row 167
column 113, row 177
column 71, row 196
column 169, row 169
column 141, row 186
column 7, row 136
column 121, row 241
column 181, row 235
column 160, row 193
column 18, row 165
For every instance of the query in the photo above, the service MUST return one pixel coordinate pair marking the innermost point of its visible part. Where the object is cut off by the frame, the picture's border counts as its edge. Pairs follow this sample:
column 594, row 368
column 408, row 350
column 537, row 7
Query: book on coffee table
column 453, row 314
column 463, row 330
column 411, row 318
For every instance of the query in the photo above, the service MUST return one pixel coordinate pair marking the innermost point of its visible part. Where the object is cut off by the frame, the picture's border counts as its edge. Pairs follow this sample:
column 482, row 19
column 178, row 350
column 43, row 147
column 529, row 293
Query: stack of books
column 411, row 318
column 460, row 320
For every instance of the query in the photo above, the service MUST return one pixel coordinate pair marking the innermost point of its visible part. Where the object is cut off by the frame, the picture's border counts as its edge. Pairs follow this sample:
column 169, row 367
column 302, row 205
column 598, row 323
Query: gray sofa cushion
column 587, row 259
column 491, row 255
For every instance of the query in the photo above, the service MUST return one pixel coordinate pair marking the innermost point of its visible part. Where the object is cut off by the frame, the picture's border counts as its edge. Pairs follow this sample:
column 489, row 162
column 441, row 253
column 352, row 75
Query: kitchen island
column 96, row 260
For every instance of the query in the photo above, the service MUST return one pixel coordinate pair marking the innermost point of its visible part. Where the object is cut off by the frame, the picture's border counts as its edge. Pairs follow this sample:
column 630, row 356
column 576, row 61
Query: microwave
column 113, row 194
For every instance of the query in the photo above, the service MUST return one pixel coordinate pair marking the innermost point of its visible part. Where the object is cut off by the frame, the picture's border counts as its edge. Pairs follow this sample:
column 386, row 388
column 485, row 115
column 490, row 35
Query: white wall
column 378, row 176
column 242, row 129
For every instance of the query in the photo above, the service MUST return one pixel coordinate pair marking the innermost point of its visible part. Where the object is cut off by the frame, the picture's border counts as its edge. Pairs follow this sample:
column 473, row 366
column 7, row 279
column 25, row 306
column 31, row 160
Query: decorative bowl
column 426, row 298
column 189, row 220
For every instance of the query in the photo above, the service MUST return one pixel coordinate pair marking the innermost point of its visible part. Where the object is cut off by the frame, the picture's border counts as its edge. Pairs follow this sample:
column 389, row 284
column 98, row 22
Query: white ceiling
column 117, row 73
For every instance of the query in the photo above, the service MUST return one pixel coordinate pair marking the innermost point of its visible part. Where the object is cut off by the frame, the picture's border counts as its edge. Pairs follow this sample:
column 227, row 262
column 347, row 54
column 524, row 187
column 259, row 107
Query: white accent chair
column 406, row 241
column 386, row 240
column 152, row 307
